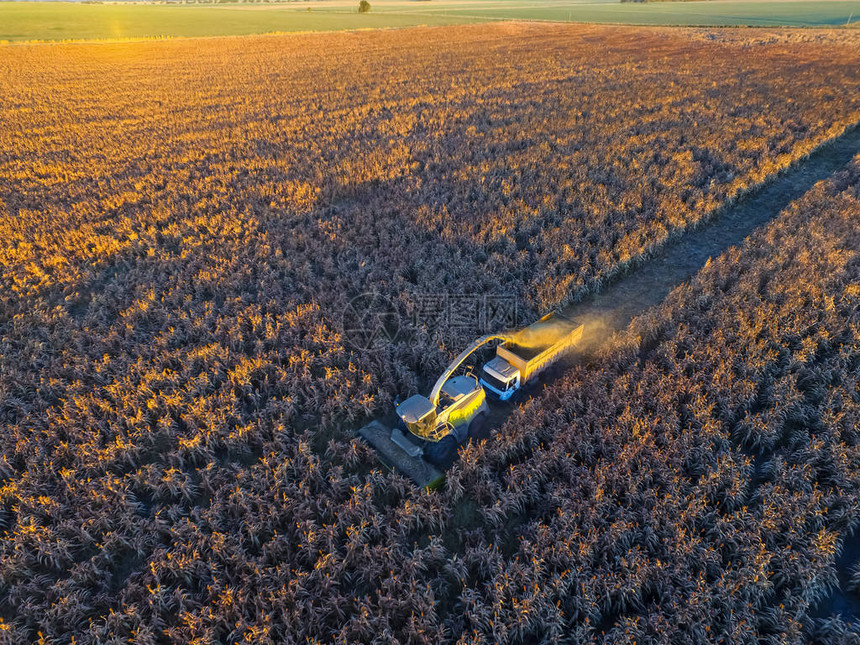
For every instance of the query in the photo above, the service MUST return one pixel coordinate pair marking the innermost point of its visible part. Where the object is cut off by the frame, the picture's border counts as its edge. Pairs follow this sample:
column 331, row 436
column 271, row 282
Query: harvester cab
column 439, row 429
column 418, row 415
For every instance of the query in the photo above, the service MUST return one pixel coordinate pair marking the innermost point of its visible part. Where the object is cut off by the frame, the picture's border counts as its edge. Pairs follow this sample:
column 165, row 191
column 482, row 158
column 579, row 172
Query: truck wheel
column 443, row 452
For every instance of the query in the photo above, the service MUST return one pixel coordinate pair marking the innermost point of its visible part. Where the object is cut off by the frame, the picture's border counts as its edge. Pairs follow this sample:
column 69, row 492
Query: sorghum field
column 698, row 479
column 182, row 224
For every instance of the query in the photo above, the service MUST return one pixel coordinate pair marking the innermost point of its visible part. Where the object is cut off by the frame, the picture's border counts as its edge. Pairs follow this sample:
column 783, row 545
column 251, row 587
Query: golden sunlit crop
column 183, row 224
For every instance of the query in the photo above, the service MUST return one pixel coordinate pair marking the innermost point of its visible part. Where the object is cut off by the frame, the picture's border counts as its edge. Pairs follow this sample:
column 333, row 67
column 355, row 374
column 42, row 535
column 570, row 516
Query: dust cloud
column 541, row 335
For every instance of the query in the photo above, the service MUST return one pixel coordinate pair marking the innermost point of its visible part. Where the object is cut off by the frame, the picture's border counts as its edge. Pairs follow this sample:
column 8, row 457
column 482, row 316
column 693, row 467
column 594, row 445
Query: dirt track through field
column 648, row 283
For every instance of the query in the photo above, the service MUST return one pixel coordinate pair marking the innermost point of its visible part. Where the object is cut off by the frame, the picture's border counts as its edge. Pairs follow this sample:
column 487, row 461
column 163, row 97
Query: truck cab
column 500, row 379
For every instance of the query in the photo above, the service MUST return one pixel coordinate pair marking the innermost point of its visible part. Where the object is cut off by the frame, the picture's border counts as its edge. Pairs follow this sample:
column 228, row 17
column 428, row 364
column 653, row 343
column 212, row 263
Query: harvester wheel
column 478, row 427
column 443, row 452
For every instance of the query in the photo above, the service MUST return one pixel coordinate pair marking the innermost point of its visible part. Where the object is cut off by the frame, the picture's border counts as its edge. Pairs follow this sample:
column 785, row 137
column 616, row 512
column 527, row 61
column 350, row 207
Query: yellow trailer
column 528, row 353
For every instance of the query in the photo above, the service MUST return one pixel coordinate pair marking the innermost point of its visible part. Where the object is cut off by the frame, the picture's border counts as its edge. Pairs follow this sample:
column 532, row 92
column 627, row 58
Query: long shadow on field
column 654, row 278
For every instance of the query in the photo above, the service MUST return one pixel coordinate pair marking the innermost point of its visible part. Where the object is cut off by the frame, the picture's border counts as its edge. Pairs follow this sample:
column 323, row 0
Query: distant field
column 23, row 21
column 26, row 21
column 765, row 13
